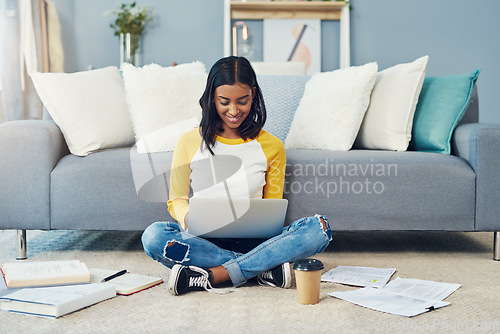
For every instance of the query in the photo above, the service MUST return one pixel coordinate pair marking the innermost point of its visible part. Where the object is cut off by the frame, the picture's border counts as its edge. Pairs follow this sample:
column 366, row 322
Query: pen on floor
column 124, row 271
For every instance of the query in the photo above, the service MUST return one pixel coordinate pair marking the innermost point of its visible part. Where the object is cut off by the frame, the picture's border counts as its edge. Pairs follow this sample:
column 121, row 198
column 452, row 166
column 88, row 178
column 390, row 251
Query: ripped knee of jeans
column 325, row 227
column 177, row 251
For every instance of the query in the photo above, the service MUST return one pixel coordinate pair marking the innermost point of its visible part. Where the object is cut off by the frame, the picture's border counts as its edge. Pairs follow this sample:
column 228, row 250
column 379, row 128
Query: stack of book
column 55, row 288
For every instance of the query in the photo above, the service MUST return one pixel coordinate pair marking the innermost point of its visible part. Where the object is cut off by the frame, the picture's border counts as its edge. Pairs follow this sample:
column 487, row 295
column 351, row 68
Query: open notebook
column 126, row 284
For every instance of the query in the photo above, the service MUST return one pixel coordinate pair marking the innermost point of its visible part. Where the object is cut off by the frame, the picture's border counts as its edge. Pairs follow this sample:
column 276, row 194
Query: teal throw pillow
column 441, row 105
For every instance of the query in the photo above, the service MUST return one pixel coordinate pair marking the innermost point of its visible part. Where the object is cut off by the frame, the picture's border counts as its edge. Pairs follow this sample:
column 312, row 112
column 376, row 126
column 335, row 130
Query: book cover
column 126, row 284
column 3, row 285
column 45, row 273
column 56, row 301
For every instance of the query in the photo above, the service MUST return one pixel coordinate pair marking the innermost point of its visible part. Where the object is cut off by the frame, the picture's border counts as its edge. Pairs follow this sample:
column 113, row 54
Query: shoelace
column 200, row 281
column 263, row 278
column 267, row 274
column 204, row 282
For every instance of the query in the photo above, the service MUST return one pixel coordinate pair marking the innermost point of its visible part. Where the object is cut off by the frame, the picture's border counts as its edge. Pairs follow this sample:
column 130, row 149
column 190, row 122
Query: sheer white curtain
column 23, row 49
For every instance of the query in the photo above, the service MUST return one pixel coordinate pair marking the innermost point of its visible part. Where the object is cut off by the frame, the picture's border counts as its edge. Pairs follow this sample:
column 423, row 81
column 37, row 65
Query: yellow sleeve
column 274, row 151
column 178, row 200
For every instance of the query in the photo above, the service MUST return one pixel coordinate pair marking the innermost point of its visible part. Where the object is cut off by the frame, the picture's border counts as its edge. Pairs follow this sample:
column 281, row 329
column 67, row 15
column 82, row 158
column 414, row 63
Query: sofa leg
column 21, row 245
column 496, row 246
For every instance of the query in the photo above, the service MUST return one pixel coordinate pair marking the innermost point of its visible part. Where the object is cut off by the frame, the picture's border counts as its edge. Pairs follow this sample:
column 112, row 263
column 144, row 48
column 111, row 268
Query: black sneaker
column 183, row 279
column 280, row 277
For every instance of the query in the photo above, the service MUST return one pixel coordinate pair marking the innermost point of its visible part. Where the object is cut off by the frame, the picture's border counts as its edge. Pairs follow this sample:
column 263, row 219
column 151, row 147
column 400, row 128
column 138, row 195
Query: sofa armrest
column 479, row 144
column 29, row 150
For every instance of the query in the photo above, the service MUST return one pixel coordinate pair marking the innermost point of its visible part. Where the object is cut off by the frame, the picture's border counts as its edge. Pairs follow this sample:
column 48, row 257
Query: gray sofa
column 44, row 187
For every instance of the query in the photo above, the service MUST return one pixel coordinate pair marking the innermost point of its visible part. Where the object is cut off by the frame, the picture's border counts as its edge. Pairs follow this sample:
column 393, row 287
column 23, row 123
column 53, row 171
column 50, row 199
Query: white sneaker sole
column 288, row 276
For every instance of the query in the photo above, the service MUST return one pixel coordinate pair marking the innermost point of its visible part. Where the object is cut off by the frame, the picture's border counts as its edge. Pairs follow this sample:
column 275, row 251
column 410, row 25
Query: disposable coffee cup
column 308, row 280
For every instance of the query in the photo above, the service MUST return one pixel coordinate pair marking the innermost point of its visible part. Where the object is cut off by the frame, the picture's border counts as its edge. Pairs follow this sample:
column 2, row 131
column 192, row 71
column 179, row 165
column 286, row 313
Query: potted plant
column 130, row 22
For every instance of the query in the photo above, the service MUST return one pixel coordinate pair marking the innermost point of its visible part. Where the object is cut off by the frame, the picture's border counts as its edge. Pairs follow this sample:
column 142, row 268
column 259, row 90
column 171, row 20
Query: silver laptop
column 236, row 218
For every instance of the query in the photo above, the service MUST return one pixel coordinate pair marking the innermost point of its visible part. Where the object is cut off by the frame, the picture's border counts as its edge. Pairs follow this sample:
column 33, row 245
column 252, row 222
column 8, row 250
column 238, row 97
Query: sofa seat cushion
column 98, row 192
column 381, row 190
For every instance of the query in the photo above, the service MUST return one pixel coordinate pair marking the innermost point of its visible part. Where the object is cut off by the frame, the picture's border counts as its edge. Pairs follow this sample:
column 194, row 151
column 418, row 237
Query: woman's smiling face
column 233, row 104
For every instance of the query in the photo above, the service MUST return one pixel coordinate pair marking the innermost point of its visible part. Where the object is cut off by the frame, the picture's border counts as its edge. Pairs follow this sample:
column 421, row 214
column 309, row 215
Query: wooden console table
column 259, row 10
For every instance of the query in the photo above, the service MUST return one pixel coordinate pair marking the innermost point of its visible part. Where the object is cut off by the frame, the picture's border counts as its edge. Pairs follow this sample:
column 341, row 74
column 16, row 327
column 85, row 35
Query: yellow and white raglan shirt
column 238, row 169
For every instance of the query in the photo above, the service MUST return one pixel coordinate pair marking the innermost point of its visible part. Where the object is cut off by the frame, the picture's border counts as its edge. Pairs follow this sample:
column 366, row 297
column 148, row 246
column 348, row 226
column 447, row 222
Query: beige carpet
column 464, row 258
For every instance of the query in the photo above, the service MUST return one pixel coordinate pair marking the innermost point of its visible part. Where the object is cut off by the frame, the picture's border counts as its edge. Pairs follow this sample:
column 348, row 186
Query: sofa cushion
column 163, row 102
column 441, row 105
column 381, row 190
column 388, row 121
column 98, row 192
column 282, row 96
column 332, row 109
column 89, row 107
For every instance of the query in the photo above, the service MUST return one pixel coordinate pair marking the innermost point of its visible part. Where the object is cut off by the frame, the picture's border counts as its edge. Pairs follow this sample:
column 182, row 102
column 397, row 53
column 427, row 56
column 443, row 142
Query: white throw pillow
column 388, row 121
column 164, row 139
column 331, row 111
column 163, row 102
column 89, row 107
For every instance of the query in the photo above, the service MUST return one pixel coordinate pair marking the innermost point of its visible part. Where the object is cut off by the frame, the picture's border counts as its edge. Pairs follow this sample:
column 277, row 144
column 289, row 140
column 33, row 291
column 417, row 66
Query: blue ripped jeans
column 301, row 239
